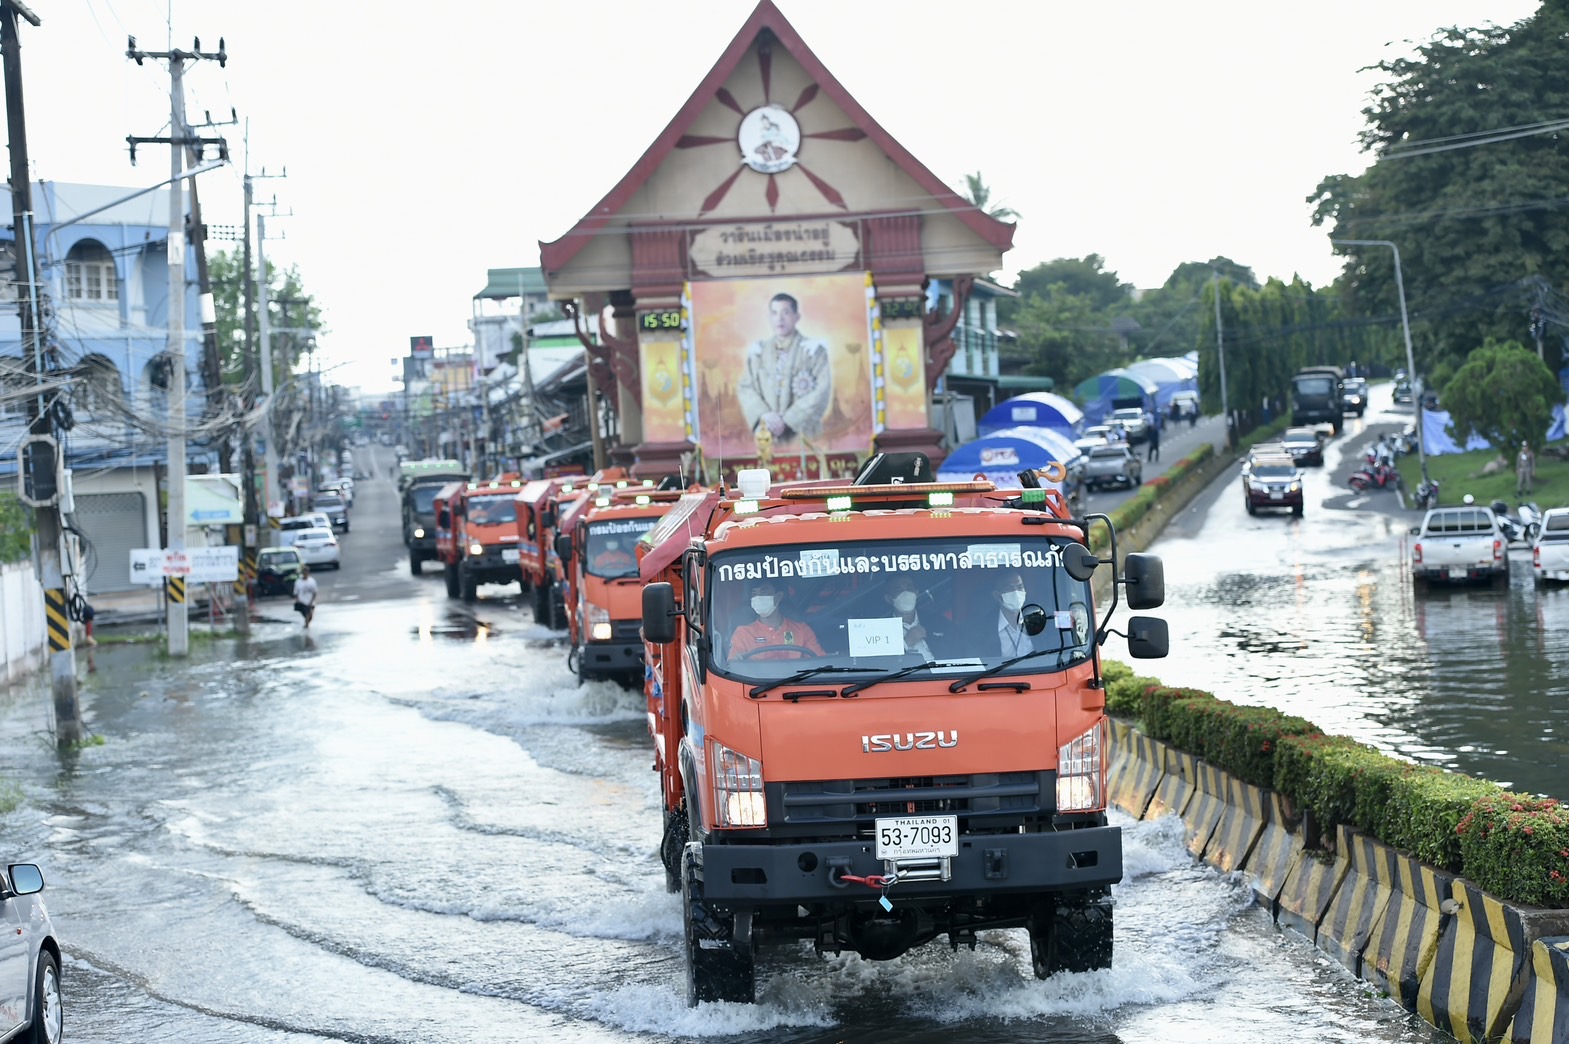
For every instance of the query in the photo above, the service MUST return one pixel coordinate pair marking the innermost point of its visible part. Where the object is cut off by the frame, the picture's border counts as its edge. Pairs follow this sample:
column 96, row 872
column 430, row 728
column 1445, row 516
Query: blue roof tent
column 1112, row 390
column 1034, row 410
column 1000, row 456
column 1169, row 376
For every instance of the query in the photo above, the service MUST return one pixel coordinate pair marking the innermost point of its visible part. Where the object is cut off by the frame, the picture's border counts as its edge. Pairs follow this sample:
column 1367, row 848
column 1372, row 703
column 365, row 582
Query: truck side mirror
column 460, row 510
column 444, row 519
column 547, row 518
column 659, row 613
column 1079, row 561
column 1148, row 637
column 564, row 546
column 1145, row 578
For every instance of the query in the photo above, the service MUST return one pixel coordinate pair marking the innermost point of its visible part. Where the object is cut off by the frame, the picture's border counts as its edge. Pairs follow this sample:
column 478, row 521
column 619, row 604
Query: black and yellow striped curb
column 59, row 620
column 1280, row 847
column 1544, row 1010
column 1404, row 940
column 1203, row 812
column 1135, row 772
column 1358, row 902
column 1308, row 891
column 1243, row 815
column 175, row 586
column 1481, row 953
column 1176, row 787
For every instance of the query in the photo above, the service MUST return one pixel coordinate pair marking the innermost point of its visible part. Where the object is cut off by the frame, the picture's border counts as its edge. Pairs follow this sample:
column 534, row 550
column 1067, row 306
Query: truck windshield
column 492, row 511
column 424, row 498
column 898, row 603
column 1313, row 386
column 609, row 554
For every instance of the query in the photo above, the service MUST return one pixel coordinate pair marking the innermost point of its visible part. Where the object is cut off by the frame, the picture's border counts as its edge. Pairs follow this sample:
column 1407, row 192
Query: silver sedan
column 29, row 960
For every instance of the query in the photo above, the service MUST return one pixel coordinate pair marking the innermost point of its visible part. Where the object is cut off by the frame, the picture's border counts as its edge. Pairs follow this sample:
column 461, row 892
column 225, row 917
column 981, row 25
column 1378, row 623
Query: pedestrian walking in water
column 305, row 595
column 1525, row 470
column 1154, row 434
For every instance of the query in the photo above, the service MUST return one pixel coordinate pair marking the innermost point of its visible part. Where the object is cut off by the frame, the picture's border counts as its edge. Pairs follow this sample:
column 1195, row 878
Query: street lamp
column 1405, row 325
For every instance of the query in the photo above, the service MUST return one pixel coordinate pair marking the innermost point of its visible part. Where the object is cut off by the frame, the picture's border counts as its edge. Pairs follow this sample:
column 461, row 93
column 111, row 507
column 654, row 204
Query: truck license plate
column 1457, row 573
column 509, row 554
column 918, row 837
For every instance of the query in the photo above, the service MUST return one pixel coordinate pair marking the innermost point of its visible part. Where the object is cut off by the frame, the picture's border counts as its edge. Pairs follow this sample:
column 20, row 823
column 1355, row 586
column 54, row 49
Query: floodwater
column 415, row 827
column 1317, row 616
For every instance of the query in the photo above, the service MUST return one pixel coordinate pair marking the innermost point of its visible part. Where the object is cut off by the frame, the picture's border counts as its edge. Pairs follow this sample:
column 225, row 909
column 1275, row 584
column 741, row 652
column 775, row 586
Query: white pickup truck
column 1550, row 551
column 1459, row 544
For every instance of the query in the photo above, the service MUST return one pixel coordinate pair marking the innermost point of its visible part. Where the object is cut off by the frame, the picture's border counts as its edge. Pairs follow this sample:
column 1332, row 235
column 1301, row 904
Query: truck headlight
column 476, row 549
column 598, row 623
column 1081, row 777
column 419, row 532
column 738, row 789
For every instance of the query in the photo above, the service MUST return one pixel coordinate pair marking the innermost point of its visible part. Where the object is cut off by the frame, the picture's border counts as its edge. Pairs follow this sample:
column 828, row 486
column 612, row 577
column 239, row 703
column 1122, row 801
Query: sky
column 430, row 143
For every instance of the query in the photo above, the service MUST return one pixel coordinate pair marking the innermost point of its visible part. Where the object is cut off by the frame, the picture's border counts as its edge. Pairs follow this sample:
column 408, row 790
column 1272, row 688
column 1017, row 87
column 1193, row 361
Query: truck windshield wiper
column 961, row 684
column 851, row 690
column 799, row 676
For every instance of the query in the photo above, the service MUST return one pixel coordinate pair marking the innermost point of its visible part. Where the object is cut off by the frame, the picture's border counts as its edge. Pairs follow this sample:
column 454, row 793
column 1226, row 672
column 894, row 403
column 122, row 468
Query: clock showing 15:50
column 669, row 319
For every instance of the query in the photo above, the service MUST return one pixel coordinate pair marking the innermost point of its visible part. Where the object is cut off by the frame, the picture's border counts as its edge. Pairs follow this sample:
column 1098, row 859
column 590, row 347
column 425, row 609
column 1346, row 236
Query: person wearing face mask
column 613, row 559
column 1012, row 639
column 902, row 594
column 771, row 628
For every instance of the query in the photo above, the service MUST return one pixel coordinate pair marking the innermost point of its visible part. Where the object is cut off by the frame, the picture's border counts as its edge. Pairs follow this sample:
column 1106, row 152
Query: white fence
column 22, row 624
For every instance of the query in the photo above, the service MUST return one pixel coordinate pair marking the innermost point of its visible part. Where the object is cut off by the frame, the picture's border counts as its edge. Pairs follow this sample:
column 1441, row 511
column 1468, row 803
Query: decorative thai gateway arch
column 761, row 275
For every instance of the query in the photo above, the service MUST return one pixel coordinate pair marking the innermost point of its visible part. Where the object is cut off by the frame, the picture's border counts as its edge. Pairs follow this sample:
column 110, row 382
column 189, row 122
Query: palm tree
column 977, row 192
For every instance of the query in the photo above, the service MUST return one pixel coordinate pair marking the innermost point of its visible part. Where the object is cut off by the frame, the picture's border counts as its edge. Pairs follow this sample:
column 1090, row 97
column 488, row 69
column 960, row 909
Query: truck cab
column 536, row 510
column 477, row 535
column 1318, row 397
column 878, row 716
column 418, row 483
column 603, row 592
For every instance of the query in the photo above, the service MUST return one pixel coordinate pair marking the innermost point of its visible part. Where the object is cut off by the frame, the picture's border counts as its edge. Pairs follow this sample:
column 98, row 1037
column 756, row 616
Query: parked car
column 1305, row 446
column 318, row 547
column 335, row 508
column 1094, row 435
column 1353, row 395
column 1272, row 482
column 341, row 487
column 1402, row 390
column 29, row 960
column 1460, row 544
column 1112, row 465
column 276, row 570
column 1550, row 549
column 1132, row 421
column 290, row 528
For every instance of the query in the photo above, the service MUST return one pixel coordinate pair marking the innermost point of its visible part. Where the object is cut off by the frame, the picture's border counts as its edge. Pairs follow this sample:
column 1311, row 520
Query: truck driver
column 771, row 628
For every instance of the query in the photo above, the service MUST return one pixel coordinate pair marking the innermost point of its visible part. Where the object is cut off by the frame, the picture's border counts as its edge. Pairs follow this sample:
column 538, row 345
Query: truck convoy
column 878, row 717
column 602, row 591
column 1317, row 397
column 477, row 535
column 418, row 483
column 537, row 511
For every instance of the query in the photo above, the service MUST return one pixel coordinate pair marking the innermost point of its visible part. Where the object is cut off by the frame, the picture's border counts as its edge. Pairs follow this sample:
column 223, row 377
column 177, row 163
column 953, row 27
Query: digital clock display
column 669, row 319
column 902, row 308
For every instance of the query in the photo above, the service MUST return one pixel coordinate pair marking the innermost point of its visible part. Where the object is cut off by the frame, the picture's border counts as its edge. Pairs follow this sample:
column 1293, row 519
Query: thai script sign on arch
column 774, row 248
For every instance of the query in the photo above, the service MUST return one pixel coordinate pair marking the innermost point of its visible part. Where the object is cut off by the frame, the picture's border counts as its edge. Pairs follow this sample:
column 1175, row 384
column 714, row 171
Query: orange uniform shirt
column 758, row 635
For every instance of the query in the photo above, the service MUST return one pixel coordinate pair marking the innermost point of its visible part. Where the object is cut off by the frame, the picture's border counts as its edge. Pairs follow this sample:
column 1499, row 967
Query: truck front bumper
column 620, row 655
column 809, row 873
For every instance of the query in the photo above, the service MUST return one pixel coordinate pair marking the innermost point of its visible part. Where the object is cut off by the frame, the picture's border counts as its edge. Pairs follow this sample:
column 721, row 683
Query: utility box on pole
column 38, row 471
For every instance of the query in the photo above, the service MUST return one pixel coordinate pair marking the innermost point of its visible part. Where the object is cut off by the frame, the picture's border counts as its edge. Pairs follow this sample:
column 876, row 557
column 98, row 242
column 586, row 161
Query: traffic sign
column 198, row 565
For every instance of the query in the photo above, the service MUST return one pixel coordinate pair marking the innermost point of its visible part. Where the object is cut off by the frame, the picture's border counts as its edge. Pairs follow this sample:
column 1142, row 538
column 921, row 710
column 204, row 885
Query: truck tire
column 542, row 605
column 558, row 612
column 450, row 574
column 414, row 561
column 468, row 586
column 1071, row 937
column 722, row 972
column 671, row 845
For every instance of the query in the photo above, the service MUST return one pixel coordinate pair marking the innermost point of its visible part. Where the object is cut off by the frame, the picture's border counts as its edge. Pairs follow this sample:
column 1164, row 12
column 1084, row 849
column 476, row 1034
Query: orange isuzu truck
column 477, row 535
column 602, row 590
column 878, row 717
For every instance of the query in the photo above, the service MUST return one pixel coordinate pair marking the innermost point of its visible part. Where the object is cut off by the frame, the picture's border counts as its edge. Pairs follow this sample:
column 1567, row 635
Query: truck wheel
column 450, row 572
column 1071, row 938
column 671, row 846
column 468, row 586
column 558, row 612
column 414, row 561
column 721, row 970
column 542, row 605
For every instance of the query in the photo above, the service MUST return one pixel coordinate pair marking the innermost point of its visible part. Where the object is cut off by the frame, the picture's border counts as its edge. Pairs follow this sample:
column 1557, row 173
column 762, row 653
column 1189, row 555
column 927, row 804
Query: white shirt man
column 1012, row 638
column 902, row 595
column 305, row 595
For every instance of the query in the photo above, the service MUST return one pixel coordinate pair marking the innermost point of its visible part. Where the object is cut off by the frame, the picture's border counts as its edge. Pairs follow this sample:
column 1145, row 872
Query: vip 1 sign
column 199, row 565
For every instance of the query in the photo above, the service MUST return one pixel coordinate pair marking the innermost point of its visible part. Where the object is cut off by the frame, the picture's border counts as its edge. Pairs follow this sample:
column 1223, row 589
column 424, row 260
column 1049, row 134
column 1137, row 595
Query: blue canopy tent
column 1169, row 377
column 1034, row 410
column 1114, row 390
column 1000, row 456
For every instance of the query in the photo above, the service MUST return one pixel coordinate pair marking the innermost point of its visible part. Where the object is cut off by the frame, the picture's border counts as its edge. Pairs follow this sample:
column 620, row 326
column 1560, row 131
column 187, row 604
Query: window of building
column 99, row 387
column 90, row 274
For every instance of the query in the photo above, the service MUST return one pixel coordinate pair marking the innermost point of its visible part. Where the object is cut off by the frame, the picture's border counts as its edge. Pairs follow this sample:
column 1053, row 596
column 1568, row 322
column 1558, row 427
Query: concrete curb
column 1465, row 961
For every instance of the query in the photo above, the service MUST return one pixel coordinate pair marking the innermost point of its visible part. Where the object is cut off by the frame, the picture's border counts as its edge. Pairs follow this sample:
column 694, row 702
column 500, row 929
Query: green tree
column 980, row 195
column 1503, row 393
column 1064, row 336
column 1468, row 178
column 1084, row 277
column 293, row 310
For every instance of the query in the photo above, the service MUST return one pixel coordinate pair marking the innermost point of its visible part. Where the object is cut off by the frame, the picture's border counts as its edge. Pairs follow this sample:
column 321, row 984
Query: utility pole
column 179, row 139
column 269, row 443
column 1220, row 349
column 62, row 660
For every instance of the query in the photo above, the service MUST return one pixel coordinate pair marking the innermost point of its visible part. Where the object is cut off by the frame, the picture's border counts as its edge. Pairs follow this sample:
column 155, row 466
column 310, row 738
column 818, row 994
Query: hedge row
column 1512, row 845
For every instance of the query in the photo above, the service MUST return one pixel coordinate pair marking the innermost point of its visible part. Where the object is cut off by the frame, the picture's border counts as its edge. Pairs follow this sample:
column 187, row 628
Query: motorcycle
column 1427, row 494
column 1381, row 476
column 1518, row 528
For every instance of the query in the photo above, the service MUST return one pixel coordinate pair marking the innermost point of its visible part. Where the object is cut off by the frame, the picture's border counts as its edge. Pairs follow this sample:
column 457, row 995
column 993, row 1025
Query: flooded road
column 413, row 825
column 1316, row 616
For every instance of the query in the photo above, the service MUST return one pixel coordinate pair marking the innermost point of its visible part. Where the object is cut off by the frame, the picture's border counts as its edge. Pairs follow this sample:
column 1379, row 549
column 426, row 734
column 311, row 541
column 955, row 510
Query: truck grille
column 856, row 802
